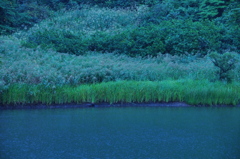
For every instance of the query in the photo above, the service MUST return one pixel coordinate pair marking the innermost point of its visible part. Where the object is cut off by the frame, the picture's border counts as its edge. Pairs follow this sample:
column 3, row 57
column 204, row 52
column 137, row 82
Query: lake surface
column 121, row 132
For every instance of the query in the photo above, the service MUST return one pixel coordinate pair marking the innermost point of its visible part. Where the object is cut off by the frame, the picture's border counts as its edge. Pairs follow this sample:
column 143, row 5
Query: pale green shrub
column 22, row 65
column 86, row 21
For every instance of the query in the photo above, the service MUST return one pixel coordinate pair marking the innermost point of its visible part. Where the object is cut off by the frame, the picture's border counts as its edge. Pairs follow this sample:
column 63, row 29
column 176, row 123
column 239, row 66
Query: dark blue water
column 143, row 132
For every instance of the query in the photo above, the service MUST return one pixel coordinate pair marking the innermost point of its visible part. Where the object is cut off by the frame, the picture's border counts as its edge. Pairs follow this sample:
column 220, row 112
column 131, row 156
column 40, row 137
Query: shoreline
column 105, row 105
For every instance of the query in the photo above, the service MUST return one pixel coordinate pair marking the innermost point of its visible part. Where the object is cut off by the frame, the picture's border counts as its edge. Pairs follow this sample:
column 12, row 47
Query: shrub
column 196, row 10
column 225, row 63
column 142, row 41
column 38, row 66
column 118, row 30
column 15, row 15
column 230, row 26
column 176, row 37
column 61, row 41
column 186, row 36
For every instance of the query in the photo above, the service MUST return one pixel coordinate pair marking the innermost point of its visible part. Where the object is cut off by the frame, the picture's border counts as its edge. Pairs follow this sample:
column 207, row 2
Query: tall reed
column 189, row 91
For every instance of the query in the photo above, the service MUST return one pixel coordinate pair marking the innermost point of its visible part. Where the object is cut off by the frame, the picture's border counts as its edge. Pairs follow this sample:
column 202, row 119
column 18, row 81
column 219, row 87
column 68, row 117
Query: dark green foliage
column 170, row 26
column 175, row 37
column 196, row 10
column 100, row 41
column 10, row 18
column 191, row 37
column 226, row 63
column 230, row 38
column 16, row 15
column 232, row 13
column 210, row 9
column 61, row 41
column 142, row 41
column 230, row 22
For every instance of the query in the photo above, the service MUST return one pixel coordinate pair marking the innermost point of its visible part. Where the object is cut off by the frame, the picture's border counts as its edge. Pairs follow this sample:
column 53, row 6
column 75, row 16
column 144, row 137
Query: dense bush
column 37, row 66
column 15, row 15
column 175, row 37
column 61, row 41
column 142, row 41
column 24, row 13
column 196, row 10
column 10, row 18
column 230, row 21
column 226, row 63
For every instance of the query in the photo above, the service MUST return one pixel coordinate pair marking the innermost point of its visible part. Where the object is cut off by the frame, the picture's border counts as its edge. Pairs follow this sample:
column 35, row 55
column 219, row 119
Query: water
column 131, row 132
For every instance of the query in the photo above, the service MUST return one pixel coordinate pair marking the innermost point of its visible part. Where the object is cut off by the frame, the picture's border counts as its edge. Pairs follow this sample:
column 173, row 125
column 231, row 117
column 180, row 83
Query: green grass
column 42, row 75
column 189, row 91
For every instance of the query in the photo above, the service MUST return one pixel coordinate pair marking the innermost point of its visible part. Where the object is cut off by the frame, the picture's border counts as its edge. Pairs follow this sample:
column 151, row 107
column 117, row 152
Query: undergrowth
column 126, row 31
column 22, row 65
column 96, row 62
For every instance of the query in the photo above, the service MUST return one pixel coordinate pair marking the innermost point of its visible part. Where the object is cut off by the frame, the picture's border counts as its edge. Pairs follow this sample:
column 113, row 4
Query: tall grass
column 46, row 67
column 189, row 91
column 87, row 20
column 21, row 65
column 50, row 68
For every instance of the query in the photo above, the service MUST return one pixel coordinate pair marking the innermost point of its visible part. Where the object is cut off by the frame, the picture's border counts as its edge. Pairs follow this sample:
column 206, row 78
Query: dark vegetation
column 53, row 43
column 168, row 26
column 225, row 62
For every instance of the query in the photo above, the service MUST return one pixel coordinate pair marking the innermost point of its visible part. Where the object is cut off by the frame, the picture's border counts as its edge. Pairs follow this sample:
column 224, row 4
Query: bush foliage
column 135, row 28
column 175, row 37
column 225, row 63
column 61, row 41
column 50, row 68
column 166, row 38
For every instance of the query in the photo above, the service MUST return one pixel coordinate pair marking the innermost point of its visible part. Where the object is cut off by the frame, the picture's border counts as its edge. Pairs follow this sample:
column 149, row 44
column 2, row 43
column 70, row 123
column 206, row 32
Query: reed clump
column 192, row 92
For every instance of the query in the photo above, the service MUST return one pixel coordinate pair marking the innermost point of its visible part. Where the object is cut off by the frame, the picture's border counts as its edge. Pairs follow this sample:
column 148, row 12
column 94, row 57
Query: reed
column 189, row 91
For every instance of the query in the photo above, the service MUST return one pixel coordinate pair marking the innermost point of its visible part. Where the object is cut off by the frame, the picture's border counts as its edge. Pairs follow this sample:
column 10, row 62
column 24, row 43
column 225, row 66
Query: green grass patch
column 189, row 91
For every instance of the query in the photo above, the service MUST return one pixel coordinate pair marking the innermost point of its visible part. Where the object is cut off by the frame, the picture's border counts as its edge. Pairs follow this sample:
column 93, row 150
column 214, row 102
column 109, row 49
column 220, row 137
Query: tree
column 225, row 62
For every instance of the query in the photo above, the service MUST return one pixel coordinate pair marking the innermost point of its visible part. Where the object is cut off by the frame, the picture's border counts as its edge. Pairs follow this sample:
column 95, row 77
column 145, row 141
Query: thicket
column 225, row 63
column 17, row 15
column 50, row 68
column 169, row 35
column 105, row 31
column 61, row 41
column 176, row 37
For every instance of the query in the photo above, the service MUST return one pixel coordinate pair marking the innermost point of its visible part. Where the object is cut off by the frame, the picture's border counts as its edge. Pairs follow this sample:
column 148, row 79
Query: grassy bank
column 191, row 92
column 93, row 54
